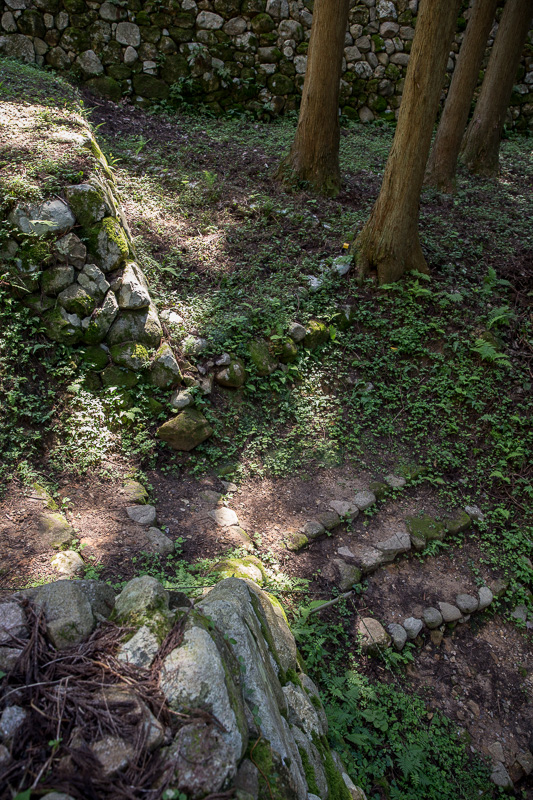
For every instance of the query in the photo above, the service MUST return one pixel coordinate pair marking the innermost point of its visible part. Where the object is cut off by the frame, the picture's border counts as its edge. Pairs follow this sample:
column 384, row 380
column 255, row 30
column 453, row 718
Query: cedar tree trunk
column 481, row 145
column 389, row 243
column 314, row 155
column 440, row 171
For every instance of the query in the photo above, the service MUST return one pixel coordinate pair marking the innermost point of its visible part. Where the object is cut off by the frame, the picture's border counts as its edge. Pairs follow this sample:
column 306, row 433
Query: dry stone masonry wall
column 244, row 715
column 250, row 54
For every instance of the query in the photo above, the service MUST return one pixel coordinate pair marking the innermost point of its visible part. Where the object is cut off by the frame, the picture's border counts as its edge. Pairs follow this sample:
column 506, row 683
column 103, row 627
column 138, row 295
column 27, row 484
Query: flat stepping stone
column 364, row 500
column 312, row 529
column 395, row 481
column 372, row 635
column 432, row 617
column 142, row 515
column 466, row 603
column 449, row 613
column 395, row 545
column 412, row 626
column 485, row 598
column 344, row 508
column 225, row 517
column 398, row 634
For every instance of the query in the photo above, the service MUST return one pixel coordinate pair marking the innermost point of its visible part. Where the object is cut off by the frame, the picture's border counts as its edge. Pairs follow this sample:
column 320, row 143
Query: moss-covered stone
column 135, row 491
column 294, row 540
column 234, row 375
column 75, row 300
column 56, row 279
column 459, row 523
column 426, row 528
column 317, row 334
column 150, row 87
column 114, row 376
column 380, row 489
column 131, row 355
column 174, row 68
column 108, row 243
column 140, row 326
column 61, row 326
column 105, row 86
column 96, row 357
column 249, row 568
column 54, row 530
column 155, row 406
column 262, row 23
column 186, row 431
column 280, row 84
column 261, row 357
column 286, row 350
column 38, row 302
column 164, row 369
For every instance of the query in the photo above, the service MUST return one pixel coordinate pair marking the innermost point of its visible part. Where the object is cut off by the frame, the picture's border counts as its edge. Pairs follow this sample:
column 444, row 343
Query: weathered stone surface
column 233, row 375
column 68, row 563
column 96, row 326
column 398, row 543
column 346, row 575
column 297, row 332
column 180, row 399
column 101, row 597
column 140, row 597
column 261, row 358
column 141, row 326
column 294, row 540
column 57, row 278
column 398, row 634
column 230, row 606
column 224, row 517
column 395, row 481
column 71, row 250
column 141, row 649
column 317, row 333
column 130, row 355
column 371, row 559
column 109, row 244
column 194, row 676
column 500, row 776
column 201, row 759
column 134, row 491
column 344, row 509
column 466, row 603
column 88, row 201
column 413, row 627
column 93, row 281
column 17, row 46
column 425, row 527
column 113, row 754
column 364, row 500
column 134, row 293
column 485, row 598
column 372, row 635
column 9, row 657
column 11, row 721
column 164, row 370
column 248, row 568
column 49, row 218
column 312, row 529
column 432, row 617
column 12, row 623
column 209, row 21
column 329, row 519
column 194, row 345
column 128, row 34
column 159, row 542
column 75, row 300
column 459, row 523
column 54, row 529
column 61, row 326
column 142, row 515
column 185, row 431
column 212, row 498
column 68, row 614
column 475, row 513
column 449, row 613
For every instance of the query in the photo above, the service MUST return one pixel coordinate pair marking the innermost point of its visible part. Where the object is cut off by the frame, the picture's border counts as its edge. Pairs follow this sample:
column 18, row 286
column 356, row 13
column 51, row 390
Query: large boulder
column 185, row 431
column 141, row 326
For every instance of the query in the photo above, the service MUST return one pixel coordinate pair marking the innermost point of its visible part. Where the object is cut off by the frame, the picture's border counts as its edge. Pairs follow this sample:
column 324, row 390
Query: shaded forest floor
column 434, row 373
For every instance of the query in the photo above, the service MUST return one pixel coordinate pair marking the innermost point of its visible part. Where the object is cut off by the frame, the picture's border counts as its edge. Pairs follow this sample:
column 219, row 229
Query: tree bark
column 481, row 145
column 442, row 164
column 389, row 243
column 314, row 155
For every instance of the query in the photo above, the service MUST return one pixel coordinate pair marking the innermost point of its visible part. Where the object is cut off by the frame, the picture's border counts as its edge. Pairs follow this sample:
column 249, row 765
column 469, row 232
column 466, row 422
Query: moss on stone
column 309, row 773
column 261, row 357
column 458, row 523
column 114, row 376
column 248, row 568
column 380, row 489
column 426, row 528
column 131, row 355
column 96, row 358
column 337, row 788
column 317, row 334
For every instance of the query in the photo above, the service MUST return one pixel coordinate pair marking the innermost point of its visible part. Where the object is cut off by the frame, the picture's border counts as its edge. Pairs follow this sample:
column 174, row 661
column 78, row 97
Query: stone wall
column 249, row 54
column 242, row 712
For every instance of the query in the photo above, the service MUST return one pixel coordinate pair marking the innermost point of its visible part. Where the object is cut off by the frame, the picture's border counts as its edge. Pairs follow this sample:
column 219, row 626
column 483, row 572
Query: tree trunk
column 440, row 171
column 389, row 243
column 481, row 145
column 314, row 155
